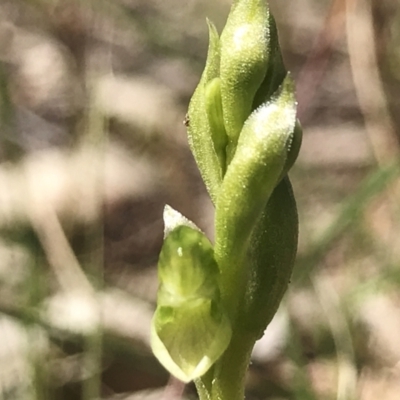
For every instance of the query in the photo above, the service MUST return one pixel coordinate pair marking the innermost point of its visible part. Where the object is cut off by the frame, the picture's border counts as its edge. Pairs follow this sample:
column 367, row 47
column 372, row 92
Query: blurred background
column 92, row 98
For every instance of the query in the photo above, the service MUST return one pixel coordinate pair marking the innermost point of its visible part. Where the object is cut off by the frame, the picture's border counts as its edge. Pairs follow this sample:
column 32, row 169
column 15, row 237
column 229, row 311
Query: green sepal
column 294, row 149
column 186, row 267
column 271, row 258
column 250, row 179
column 276, row 70
column 190, row 329
column 216, row 120
column 244, row 61
column 199, row 130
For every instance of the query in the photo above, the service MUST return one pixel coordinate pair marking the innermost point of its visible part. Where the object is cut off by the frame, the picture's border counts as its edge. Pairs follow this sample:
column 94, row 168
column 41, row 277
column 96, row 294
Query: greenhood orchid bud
column 190, row 329
column 254, row 172
column 271, row 255
column 202, row 135
column 243, row 69
column 244, row 61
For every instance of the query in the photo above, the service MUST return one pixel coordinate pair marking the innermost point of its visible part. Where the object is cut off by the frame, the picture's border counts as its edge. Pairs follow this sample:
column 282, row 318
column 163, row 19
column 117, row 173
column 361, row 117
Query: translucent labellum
column 190, row 329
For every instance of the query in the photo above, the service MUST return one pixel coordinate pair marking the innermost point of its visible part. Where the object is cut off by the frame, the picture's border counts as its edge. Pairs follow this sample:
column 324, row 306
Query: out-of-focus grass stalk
column 365, row 68
column 95, row 137
column 301, row 385
column 35, row 284
column 92, row 361
column 11, row 150
column 38, row 360
column 339, row 326
column 350, row 210
column 379, row 125
column 36, row 354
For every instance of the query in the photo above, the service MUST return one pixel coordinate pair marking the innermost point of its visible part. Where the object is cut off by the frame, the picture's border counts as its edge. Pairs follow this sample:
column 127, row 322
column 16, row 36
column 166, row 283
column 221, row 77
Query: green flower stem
column 230, row 370
column 204, row 384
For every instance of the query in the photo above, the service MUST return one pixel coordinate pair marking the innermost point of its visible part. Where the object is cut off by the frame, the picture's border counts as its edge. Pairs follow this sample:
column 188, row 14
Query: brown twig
column 315, row 66
column 368, row 82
